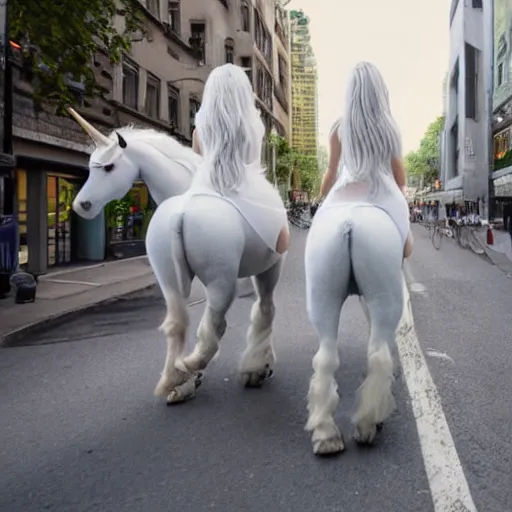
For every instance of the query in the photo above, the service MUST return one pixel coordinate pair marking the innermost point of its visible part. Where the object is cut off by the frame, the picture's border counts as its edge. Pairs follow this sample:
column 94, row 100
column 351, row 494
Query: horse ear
column 121, row 141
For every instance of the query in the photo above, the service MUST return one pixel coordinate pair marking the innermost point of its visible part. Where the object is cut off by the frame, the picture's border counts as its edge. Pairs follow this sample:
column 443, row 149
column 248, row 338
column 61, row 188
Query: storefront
column 48, row 227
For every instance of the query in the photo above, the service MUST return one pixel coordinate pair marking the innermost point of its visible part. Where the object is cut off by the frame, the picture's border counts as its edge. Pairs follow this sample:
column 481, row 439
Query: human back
column 367, row 141
column 229, row 134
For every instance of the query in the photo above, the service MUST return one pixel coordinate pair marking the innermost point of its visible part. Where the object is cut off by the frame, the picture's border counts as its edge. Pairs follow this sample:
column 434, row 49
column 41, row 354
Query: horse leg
column 327, row 285
column 383, row 293
column 219, row 297
column 259, row 356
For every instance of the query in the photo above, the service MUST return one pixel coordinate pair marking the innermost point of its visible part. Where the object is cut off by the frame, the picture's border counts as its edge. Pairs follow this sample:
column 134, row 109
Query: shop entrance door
column 61, row 193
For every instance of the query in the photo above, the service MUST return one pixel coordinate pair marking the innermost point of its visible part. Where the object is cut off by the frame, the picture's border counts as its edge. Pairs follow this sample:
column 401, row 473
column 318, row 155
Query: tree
column 60, row 37
column 425, row 160
column 288, row 160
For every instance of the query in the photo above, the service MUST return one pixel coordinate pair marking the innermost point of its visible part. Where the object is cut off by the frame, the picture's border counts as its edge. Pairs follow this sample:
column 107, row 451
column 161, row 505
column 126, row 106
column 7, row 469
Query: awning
column 445, row 196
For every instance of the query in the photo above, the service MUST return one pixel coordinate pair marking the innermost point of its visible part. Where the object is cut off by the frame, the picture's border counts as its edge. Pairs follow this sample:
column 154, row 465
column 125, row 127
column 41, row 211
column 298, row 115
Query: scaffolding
column 304, row 87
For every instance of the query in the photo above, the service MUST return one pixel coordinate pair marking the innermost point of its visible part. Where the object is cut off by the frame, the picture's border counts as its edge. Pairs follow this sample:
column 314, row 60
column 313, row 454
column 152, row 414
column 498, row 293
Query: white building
column 465, row 144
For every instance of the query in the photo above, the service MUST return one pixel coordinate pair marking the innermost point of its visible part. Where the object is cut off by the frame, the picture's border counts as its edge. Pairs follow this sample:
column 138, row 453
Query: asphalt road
column 81, row 430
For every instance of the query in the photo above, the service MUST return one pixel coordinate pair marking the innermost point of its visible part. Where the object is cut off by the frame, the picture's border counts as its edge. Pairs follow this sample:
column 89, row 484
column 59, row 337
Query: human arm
column 334, row 158
column 399, row 173
column 195, row 143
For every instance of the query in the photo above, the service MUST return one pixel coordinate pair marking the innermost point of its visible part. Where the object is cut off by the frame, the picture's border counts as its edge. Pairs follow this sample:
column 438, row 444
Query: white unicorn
column 356, row 246
column 230, row 223
column 130, row 154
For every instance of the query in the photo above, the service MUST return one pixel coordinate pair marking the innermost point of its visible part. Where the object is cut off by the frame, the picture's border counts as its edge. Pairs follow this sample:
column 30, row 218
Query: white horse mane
column 161, row 141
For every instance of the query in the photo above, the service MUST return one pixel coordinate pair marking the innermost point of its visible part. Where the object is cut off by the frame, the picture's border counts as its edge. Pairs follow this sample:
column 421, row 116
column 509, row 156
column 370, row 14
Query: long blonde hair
column 369, row 135
column 229, row 128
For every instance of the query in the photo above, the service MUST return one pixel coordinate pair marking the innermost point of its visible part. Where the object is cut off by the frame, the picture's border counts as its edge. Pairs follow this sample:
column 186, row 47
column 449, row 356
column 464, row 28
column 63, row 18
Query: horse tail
column 179, row 258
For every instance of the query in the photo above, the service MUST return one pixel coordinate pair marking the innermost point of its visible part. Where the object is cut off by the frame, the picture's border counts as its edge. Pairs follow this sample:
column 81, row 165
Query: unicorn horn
column 98, row 138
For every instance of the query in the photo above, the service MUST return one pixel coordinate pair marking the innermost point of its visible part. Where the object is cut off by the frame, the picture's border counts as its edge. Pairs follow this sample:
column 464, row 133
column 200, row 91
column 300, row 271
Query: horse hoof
column 366, row 435
column 256, row 379
column 185, row 391
column 330, row 446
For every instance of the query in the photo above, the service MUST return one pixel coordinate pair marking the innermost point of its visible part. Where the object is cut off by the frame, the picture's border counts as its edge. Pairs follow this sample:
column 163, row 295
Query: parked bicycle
column 299, row 215
column 438, row 233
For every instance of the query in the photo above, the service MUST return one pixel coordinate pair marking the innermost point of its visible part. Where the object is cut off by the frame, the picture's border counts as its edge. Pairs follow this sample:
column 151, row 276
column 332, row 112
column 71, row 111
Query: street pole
column 9, row 238
column 489, row 8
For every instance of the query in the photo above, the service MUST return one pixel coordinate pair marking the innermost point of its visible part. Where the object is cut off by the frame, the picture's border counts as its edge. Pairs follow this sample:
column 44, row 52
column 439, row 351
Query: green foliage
column 287, row 160
column 425, row 160
column 504, row 161
column 66, row 34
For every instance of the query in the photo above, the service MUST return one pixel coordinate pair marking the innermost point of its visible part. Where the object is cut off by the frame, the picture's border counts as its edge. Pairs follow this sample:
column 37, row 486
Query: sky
column 408, row 40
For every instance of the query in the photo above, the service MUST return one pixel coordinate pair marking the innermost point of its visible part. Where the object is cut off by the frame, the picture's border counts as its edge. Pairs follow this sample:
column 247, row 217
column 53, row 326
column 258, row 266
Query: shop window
column 21, row 179
column 128, row 218
column 60, row 195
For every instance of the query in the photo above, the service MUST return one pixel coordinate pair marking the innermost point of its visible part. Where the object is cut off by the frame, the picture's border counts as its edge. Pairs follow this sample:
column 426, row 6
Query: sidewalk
column 500, row 253
column 68, row 292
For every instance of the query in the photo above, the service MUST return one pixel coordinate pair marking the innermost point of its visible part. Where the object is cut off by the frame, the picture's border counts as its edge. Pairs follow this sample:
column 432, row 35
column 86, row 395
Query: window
column 153, row 96
column 173, row 95
column 264, row 87
column 477, row 4
column 198, row 39
column 154, row 7
column 500, row 74
column 262, row 38
column 246, row 63
column 471, row 58
column 174, row 16
column 130, row 84
column 194, row 107
column 283, row 72
column 246, row 16
column 229, row 49
column 454, row 136
column 501, row 144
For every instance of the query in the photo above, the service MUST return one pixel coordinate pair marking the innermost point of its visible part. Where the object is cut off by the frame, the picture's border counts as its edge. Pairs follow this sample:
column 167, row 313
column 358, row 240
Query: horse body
column 354, row 249
column 207, row 237
column 162, row 163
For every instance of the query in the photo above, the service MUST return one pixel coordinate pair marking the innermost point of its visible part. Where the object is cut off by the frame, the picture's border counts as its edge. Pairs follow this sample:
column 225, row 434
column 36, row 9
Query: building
column 465, row 165
column 501, row 184
column 304, row 87
column 158, row 84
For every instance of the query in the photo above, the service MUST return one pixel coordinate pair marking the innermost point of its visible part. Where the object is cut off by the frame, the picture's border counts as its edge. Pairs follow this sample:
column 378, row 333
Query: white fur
column 352, row 243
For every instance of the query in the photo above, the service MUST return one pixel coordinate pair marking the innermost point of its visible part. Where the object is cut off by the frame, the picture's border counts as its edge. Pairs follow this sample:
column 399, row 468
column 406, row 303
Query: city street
column 82, row 431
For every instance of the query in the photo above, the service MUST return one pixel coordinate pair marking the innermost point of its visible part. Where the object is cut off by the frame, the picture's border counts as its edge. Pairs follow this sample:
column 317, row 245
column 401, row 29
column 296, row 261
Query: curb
column 11, row 339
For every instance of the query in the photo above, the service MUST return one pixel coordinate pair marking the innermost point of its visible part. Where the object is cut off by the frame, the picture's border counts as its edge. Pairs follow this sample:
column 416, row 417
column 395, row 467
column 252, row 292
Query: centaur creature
column 130, row 154
column 230, row 223
column 356, row 246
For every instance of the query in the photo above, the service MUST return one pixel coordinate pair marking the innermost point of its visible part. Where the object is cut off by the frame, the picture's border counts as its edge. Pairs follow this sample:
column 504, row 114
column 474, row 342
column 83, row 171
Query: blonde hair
column 369, row 135
column 229, row 128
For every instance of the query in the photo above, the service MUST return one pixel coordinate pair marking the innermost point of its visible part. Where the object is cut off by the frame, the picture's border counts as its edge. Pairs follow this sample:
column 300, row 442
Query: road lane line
column 414, row 286
column 448, row 485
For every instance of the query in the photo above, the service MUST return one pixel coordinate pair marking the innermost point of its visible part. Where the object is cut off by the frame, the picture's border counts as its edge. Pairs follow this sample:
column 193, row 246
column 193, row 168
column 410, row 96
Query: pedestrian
column 370, row 168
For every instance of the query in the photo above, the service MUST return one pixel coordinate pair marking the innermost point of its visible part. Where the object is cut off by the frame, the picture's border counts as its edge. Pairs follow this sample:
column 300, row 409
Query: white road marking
column 448, row 485
column 414, row 286
column 439, row 355
column 65, row 281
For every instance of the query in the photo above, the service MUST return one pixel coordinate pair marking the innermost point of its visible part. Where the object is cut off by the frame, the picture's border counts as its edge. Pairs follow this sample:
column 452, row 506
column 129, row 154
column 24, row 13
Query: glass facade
column 60, row 195
column 21, row 183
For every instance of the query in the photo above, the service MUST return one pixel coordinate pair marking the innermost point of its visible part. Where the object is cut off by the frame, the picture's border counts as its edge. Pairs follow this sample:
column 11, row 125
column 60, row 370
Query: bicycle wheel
column 464, row 237
column 437, row 238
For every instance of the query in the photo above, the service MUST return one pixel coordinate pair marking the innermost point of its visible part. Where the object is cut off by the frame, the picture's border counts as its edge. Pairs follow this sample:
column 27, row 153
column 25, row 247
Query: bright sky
column 408, row 40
